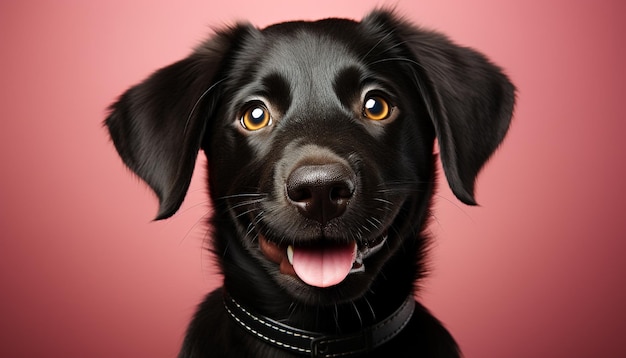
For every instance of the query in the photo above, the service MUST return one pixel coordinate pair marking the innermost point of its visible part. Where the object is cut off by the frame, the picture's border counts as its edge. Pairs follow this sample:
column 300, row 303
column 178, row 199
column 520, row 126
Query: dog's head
column 319, row 138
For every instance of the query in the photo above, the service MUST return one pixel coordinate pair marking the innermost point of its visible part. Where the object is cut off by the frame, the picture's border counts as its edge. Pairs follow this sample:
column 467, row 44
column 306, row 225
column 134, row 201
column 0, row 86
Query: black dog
column 319, row 138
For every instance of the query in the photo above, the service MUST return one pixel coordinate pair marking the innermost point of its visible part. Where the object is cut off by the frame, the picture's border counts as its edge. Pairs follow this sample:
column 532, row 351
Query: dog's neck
column 320, row 344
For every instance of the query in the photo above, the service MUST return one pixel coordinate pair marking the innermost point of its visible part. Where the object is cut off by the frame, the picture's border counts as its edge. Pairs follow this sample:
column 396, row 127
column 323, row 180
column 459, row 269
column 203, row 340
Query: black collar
column 316, row 344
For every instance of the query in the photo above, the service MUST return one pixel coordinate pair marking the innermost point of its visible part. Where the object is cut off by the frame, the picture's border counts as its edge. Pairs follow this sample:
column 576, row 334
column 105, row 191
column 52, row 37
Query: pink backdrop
column 536, row 271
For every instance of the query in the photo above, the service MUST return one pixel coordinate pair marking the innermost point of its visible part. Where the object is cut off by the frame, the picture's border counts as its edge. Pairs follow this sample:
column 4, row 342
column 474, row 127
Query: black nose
column 321, row 192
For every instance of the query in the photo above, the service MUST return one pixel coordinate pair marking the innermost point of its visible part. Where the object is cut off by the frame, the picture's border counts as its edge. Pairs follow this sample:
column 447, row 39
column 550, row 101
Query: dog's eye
column 376, row 108
column 256, row 117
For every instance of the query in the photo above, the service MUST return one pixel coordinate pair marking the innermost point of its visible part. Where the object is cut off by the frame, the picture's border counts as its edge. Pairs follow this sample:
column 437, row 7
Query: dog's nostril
column 321, row 192
column 341, row 191
column 299, row 194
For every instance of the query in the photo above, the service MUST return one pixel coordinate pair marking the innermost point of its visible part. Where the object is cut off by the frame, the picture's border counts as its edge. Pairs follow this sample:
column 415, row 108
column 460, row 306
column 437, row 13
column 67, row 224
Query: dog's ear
column 158, row 125
column 469, row 99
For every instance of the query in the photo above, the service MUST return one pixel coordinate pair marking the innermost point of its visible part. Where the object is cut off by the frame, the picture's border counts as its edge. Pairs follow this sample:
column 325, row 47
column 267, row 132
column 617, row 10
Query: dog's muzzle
column 321, row 191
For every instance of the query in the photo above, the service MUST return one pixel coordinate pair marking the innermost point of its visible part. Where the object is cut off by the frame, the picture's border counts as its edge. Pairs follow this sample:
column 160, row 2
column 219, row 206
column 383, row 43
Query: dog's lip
column 279, row 253
column 276, row 254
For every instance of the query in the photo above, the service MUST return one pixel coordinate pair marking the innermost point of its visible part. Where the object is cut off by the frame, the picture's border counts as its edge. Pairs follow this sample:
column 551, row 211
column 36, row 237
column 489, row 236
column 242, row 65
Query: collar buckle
column 341, row 346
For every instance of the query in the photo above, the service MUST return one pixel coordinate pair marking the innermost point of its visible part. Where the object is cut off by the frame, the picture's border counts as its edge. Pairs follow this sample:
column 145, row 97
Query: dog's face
column 311, row 153
column 319, row 140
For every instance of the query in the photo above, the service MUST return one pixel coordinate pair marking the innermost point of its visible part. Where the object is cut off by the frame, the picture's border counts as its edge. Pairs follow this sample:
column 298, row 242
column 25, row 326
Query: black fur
column 313, row 77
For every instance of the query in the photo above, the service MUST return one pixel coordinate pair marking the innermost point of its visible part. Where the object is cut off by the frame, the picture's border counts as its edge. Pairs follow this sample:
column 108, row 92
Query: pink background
column 537, row 270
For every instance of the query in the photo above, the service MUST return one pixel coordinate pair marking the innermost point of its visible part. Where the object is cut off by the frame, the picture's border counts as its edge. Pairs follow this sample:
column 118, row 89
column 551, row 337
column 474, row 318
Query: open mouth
column 321, row 265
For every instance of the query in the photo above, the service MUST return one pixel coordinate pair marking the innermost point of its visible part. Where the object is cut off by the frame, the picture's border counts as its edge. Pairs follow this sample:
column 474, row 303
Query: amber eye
column 256, row 117
column 376, row 108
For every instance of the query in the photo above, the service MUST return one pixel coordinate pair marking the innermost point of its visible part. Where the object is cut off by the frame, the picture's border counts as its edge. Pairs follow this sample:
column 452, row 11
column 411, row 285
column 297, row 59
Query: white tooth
column 372, row 250
column 358, row 256
column 358, row 269
column 290, row 254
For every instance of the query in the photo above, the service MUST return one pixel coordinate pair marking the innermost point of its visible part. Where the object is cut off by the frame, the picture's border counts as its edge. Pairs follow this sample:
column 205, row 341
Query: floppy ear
column 469, row 99
column 158, row 125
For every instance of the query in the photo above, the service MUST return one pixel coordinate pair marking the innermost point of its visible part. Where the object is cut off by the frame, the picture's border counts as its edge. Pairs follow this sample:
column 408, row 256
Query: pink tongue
column 325, row 266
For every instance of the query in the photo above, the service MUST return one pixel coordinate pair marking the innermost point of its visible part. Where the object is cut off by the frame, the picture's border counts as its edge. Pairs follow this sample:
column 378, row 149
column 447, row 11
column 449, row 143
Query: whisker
column 376, row 225
column 246, row 203
column 193, row 109
column 201, row 219
column 241, row 195
column 401, row 59
column 384, row 201
column 358, row 314
column 456, row 205
column 247, row 212
column 370, row 307
column 191, row 207
column 387, row 35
